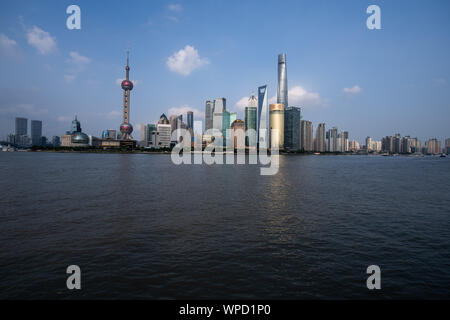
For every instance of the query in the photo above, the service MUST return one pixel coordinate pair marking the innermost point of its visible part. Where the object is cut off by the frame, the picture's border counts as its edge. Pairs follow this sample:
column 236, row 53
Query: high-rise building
column 126, row 128
column 306, row 135
column 276, row 126
column 292, row 128
column 397, row 143
column 251, row 128
column 369, row 144
column 388, row 144
column 76, row 126
column 319, row 142
column 36, row 132
column 282, row 94
column 263, row 106
column 433, row 146
column 190, row 120
column 447, row 146
column 148, row 129
column 238, row 131
column 332, row 140
column 21, row 126
column 209, row 115
column 343, row 143
column 220, row 105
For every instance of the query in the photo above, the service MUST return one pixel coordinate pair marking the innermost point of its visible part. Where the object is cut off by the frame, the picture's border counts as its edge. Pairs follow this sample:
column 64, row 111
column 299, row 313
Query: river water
column 141, row 227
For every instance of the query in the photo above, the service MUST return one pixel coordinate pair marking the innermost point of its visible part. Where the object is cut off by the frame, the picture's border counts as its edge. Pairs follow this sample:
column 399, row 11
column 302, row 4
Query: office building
column 276, row 125
column 306, row 135
column 190, row 120
column 332, row 140
column 292, row 128
column 263, row 106
column 209, row 115
column 21, row 127
column 251, row 128
column 319, row 142
column 36, row 132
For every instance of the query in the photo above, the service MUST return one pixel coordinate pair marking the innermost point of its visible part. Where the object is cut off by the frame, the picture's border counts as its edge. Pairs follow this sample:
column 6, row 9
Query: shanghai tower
column 282, row 96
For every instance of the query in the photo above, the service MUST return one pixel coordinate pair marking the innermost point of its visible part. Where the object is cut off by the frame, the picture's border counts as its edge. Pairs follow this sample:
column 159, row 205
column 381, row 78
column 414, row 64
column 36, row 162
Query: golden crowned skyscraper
column 126, row 128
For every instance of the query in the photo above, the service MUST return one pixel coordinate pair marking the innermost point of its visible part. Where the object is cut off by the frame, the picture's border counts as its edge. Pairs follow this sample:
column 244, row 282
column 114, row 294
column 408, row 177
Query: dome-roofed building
column 80, row 139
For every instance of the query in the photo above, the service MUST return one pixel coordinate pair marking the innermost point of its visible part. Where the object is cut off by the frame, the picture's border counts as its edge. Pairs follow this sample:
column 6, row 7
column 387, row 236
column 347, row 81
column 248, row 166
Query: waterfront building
column 190, row 120
column 276, row 122
column 416, row 145
column 238, row 134
column 433, row 146
column 319, row 142
column 447, row 146
column 343, row 145
column 306, row 135
column 332, row 140
column 209, row 115
column 126, row 128
column 66, row 140
column 21, row 127
column 388, row 144
column 353, row 146
column 36, row 132
column 220, row 105
column 263, row 105
column 251, row 122
column 406, row 144
column 149, row 128
column 292, row 128
column 282, row 94
column 369, row 144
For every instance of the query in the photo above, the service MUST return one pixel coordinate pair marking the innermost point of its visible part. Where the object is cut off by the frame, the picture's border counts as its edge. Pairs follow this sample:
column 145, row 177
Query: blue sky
column 368, row 82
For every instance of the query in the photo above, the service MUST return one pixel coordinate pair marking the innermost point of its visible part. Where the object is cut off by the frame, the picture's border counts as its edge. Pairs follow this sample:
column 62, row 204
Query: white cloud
column 7, row 45
column 299, row 96
column 355, row 89
column 183, row 110
column 78, row 59
column 114, row 114
column 185, row 61
column 68, row 78
column 41, row 40
column 175, row 7
column 242, row 104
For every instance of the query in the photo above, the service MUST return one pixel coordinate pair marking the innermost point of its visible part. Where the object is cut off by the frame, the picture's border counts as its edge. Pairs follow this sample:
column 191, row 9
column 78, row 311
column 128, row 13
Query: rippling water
column 140, row 227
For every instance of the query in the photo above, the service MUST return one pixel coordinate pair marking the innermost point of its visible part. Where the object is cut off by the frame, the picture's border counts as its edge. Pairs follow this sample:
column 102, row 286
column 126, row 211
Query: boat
column 443, row 155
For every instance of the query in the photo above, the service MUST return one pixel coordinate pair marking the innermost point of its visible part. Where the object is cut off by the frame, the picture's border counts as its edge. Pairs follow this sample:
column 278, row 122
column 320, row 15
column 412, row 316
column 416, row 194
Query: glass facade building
column 250, row 126
column 292, row 128
column 263, row 106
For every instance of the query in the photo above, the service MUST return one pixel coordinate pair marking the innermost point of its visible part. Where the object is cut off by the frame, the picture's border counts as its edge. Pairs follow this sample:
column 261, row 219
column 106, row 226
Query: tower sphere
column 126, row 128
column 127, row 85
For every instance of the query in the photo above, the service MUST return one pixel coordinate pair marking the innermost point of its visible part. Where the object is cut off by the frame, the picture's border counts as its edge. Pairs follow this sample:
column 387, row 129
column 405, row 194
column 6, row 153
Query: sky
column 368, row 82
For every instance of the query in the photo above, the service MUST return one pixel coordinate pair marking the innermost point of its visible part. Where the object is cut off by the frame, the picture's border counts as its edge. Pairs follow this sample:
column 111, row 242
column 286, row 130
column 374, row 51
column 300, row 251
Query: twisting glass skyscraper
column 263, row 106
column 282, row 96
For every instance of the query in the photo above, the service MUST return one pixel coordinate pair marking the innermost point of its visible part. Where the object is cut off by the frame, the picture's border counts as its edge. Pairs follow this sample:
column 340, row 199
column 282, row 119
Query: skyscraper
column 126, row 128
column 292, row 128
column 209, row 115
column 36, row 132
column 282, row 96
column 219, row 107
column 251, row 122
column 306, row 135
column 21, row 126
column 190, row 120
column 332, row 140
column 319, row 142
column 447, row 146
column 276, row 124
column 263, row 105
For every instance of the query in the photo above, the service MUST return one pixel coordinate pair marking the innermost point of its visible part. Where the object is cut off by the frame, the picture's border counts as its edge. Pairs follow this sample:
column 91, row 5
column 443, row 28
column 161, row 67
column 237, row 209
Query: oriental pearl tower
column 126, row 128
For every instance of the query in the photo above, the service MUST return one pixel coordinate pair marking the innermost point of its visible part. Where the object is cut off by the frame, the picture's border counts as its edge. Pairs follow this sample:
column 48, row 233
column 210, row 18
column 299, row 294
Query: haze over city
column 368, row 82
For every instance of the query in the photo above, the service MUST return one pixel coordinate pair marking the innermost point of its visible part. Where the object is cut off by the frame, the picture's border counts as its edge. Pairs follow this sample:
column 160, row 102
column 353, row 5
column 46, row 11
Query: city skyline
column 360, row 95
